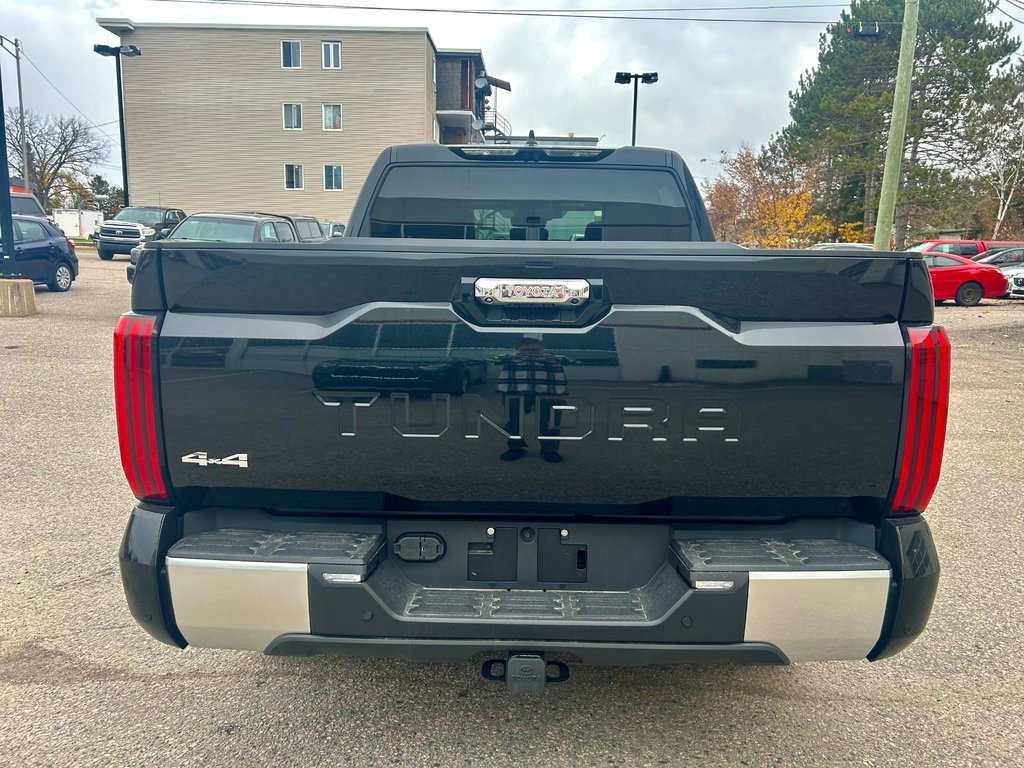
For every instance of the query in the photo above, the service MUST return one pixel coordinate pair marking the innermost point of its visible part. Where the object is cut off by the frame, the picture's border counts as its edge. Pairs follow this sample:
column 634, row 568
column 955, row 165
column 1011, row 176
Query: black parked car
column 236, row 228
column 227, row 228
column 41, row 254
column 307, row 228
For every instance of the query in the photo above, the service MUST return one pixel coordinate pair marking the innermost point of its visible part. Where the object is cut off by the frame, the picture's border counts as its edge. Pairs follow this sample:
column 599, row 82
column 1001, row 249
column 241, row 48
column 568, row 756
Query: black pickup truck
column 531, row 412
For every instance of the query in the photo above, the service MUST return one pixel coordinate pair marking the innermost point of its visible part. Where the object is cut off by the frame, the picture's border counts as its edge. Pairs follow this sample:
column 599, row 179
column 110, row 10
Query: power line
column 1007, row 15
column 646, row 10
column 520, row 13
column 573, row 11
column 69, row 101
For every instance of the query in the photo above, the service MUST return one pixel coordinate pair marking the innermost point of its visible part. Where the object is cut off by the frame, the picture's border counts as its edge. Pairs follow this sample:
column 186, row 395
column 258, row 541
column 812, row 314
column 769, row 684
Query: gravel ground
column 81, row 684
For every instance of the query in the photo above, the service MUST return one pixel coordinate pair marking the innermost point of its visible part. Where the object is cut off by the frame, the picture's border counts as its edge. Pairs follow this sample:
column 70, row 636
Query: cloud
column 720, row 84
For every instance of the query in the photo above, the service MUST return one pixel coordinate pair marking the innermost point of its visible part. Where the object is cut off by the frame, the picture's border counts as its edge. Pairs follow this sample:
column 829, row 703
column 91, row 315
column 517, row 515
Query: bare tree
column 996, row 127
column 61, row 150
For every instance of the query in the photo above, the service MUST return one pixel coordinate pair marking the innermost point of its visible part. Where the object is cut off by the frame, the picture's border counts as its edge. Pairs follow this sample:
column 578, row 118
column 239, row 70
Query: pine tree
column 840, row 109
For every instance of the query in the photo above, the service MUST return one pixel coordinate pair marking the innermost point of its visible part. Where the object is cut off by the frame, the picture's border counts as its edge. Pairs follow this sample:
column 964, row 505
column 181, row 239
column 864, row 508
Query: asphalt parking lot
column 81, row 684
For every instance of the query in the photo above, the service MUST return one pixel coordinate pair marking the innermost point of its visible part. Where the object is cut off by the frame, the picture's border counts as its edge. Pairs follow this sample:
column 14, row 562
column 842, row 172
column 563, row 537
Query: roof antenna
column 531, row 140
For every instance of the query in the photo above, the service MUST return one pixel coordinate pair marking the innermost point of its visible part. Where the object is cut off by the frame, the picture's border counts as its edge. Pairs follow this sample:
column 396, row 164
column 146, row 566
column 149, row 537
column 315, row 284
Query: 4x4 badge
column 203, row 460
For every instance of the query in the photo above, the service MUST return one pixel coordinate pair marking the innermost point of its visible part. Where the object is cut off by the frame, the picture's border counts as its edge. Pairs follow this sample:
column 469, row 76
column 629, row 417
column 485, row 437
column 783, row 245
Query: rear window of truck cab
column 531, row 202
column 26, row 205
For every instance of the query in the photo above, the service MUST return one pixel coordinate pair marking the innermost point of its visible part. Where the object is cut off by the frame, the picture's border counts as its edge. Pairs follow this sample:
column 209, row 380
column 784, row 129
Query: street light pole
column 117, row 52
column 4, row 41
column 120, row 122
column 636, row 89
column 647, row 78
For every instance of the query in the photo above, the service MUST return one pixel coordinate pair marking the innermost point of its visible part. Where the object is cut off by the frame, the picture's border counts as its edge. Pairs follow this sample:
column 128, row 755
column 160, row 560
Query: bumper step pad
column 815, row 599
column 397, row 606
column 716, row 555
column 644, row 604
column 355, row 553
column 552, row 605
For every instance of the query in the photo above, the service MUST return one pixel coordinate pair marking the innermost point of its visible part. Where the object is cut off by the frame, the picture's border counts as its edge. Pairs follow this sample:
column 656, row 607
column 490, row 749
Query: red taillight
column 134, row 385
column 72, row 244
column 924, row 432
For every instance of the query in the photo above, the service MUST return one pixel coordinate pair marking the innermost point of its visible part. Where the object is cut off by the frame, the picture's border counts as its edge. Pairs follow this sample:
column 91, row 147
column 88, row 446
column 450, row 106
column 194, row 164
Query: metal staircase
column 496, row 127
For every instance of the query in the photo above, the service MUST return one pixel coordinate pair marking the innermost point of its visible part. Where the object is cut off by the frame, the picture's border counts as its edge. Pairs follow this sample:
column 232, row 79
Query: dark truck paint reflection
column 433, row 441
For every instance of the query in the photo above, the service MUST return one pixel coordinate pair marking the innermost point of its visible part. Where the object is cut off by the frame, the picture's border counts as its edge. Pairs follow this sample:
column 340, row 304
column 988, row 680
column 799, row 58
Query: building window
column 433, row 73
column 334, row 178
column 332, row 117
column 437, row 132
column 331, row 54
column 292, row 117
column 291, row 54
column 292, row 176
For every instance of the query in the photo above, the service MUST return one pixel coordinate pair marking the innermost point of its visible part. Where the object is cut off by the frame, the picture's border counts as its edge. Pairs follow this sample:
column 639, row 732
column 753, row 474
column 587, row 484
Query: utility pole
column 21, row 108
column 16, row 53
column 897, row 127
column 6, row 222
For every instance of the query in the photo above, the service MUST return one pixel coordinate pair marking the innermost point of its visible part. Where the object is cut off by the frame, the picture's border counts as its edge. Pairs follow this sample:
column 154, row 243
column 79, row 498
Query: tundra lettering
column 565, row 418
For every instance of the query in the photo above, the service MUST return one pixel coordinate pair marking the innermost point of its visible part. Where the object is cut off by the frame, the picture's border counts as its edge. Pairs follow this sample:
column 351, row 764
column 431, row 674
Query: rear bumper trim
column 818, row 616
column 444, row 650
column 237, row 604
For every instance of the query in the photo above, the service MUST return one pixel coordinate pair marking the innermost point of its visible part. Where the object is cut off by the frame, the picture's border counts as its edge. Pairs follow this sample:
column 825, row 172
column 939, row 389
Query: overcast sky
column 721, row 84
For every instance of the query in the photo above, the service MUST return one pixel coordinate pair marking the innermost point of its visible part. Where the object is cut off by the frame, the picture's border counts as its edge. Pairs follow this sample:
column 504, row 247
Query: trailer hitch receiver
column 525, row 672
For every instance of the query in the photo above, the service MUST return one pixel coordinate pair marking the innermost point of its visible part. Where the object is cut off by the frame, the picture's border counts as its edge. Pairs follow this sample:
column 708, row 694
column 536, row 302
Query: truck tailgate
column 696, row 379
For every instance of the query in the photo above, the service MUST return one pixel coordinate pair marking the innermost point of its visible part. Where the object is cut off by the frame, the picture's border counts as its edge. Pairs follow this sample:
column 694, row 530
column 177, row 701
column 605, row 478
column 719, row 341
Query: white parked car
column 1015, row 277
column 841, row 246
column 1006, row 259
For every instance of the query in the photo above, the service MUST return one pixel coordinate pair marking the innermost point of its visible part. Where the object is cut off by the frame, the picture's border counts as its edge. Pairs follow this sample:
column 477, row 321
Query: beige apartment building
column 284, row 119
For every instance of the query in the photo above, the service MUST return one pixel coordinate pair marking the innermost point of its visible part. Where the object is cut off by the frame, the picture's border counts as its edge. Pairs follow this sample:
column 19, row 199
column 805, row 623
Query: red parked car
column 973, row 249
column 963, row 280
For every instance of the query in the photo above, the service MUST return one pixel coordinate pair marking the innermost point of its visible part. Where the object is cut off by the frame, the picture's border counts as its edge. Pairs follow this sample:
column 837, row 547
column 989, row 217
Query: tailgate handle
column 491, row 290
column 572, row 301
